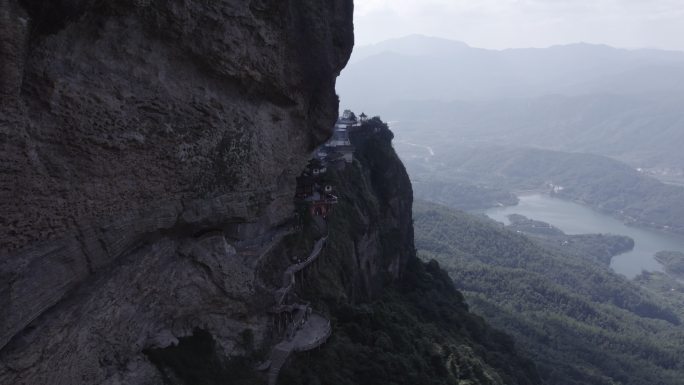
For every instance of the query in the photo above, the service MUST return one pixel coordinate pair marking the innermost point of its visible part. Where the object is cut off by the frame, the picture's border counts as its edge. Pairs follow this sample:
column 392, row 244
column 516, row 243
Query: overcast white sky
column 526, row 23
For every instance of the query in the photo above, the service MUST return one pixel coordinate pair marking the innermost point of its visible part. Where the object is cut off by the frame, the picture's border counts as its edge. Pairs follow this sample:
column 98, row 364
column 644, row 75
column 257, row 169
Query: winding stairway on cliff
column 305, row 329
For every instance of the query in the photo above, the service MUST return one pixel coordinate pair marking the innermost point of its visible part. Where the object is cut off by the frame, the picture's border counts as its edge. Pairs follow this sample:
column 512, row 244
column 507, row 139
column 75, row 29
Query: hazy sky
column 526, row 23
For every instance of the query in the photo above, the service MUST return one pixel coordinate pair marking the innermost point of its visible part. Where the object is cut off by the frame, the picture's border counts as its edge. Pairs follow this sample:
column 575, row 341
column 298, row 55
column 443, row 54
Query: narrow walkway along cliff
column 305, row 329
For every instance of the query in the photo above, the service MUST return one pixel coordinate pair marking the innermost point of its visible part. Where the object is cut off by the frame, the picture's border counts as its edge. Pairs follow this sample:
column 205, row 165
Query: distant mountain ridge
column 596, row 181
column 423, row 68
column 615, row 102
column 643, row 133
column 409, row 45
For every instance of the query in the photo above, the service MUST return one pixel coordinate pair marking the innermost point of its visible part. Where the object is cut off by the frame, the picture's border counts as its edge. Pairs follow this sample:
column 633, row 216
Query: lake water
column 574, row 218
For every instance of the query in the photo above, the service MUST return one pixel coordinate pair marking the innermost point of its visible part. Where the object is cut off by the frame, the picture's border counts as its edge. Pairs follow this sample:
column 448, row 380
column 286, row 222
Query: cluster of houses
column 313, row 187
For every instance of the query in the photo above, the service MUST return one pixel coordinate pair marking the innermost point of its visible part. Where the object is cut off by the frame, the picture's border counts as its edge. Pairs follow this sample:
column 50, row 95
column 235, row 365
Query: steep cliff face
column 149, row 151
column 396, row 320
column 371, row 229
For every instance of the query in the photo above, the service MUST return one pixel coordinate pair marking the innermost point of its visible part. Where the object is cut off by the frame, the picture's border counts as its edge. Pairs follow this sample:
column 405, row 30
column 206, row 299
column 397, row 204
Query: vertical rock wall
column 149, row 150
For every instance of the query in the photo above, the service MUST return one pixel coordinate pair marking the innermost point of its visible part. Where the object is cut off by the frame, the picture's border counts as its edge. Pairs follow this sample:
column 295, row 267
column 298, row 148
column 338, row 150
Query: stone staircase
column 304, row 333
column 279, row 356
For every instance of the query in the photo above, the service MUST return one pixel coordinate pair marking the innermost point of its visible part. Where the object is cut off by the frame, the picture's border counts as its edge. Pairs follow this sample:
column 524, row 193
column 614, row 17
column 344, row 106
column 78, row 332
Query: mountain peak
column 413, row 45
column 420, row 38
column 585, row 46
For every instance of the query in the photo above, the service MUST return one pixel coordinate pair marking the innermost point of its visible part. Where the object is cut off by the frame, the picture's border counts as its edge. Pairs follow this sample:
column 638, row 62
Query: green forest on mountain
column 580, row 322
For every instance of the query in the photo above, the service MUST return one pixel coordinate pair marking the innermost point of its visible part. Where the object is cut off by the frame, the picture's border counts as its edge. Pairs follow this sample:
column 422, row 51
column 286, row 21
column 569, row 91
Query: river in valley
column 574, row 218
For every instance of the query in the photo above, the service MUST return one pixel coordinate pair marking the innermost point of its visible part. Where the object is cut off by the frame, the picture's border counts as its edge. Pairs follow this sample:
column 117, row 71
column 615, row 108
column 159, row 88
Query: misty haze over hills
column 565, row 142
column 626, row 104
column 419, row 67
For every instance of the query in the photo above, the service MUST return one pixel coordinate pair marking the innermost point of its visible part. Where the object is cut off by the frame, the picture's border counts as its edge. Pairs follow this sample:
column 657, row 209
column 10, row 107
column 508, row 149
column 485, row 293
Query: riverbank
column 573, row 219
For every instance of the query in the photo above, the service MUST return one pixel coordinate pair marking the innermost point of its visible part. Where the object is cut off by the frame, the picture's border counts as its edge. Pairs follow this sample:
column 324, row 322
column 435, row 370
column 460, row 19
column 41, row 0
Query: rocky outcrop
column 392, row 222
column 371, row 228
column 149, row 154
column 395, row 319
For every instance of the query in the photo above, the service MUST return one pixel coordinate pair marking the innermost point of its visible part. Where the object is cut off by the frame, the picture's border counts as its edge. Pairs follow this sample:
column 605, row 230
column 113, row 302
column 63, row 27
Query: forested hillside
column 582, row 323
column 594, row 247
column 462, row 195
column 600, row 182
column 643, row 131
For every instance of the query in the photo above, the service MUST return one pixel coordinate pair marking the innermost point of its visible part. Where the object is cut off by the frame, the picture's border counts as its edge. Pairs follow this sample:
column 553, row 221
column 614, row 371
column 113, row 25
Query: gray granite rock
column 128, row 130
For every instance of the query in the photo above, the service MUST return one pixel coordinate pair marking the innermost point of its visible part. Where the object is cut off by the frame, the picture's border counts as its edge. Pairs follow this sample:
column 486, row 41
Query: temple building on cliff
column 315, row 191
column 313, row 188
column 339, row 146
